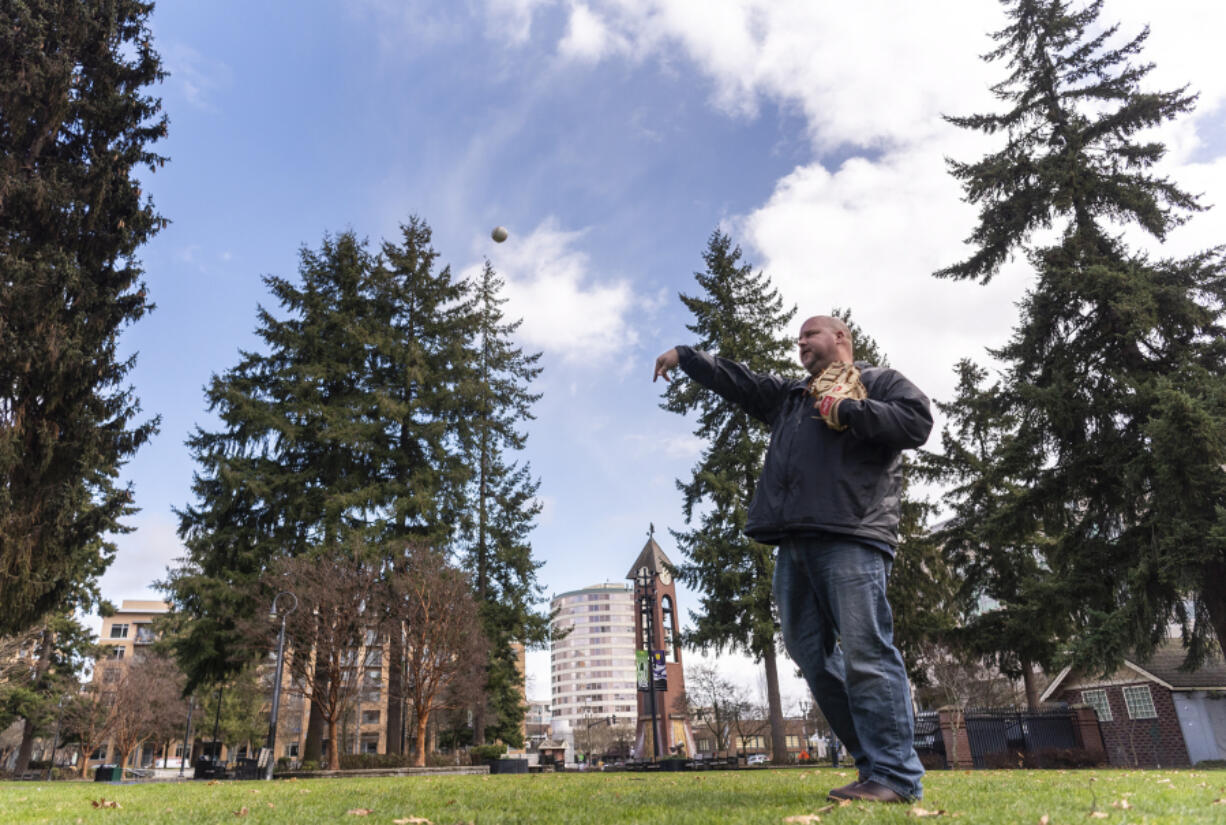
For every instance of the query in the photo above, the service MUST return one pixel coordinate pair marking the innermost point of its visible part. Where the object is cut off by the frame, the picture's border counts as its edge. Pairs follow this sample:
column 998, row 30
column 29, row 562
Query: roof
column 651, row 557
column 1163, row 667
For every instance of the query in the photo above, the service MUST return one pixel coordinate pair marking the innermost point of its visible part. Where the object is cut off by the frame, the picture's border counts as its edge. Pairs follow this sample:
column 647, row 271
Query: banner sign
column 641, row 668
column 659, row 673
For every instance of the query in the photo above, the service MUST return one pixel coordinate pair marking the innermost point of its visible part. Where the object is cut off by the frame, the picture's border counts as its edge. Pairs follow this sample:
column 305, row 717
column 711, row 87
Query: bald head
column 824, row 339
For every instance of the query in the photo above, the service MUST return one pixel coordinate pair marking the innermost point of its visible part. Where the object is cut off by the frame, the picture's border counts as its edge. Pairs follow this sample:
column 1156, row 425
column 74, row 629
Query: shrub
column 310, row 764
column 360, row 761
column 487, row 751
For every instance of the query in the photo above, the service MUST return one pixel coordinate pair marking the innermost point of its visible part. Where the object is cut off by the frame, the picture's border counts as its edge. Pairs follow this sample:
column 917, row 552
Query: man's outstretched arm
column 759, row 394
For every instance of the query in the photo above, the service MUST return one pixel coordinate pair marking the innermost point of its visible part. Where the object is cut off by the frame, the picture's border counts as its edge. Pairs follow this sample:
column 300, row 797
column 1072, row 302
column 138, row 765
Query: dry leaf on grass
column 803, row 819
column 412, row 820
column 105, row 803
column 1218, row 802
column 1123, row 804
column 242, row 811
column 918, row 811
column 1098, row 815
column 1044, row 819
column 825, row 809
column 360, row 811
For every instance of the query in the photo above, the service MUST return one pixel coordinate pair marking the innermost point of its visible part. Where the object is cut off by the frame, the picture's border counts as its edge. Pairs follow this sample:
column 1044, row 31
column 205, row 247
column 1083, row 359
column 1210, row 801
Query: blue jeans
column 838, row 628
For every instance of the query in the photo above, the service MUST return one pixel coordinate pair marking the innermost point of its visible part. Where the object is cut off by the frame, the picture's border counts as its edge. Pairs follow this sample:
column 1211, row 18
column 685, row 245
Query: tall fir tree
column 75, row 125
column 423, row 381
column 346, row 424
column 1112, row 405
column 501, row 511
column 1004, row 588
column 738, row 315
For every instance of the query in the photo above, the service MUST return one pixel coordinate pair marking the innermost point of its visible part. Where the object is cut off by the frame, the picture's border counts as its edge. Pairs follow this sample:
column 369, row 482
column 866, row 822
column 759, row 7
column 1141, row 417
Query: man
column 829, row 497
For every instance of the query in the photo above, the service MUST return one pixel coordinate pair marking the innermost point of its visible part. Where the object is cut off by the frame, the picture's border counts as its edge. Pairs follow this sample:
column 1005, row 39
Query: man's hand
column 664, row 363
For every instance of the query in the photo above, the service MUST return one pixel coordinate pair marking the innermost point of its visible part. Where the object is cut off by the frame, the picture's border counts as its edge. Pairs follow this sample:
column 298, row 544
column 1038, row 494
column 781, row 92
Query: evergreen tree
column 739, row 316
column 1112, row 405
column 501, row 512
column 1005, row 589
column 289, row 469
column 423, row 381
column 346, row 425
column 75, row 123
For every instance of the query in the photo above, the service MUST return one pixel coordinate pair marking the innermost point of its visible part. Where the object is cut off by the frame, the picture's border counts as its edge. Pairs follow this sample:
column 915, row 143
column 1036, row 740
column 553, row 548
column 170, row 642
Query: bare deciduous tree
column 147, row 703
column 445, row 648
column 335, row 618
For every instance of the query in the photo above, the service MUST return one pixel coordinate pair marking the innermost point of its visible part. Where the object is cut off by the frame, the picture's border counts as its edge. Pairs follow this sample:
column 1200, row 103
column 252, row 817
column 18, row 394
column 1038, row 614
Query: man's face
column 818, row 345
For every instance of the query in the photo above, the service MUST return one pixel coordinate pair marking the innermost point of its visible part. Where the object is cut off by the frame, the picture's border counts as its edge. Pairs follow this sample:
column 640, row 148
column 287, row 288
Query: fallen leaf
column 1123, row 804
column 918, row 811
column 1044, row 819
column 803, row 819
column 269, row 804
column 1098, row 815
column 843, row 803
column 412, row 820
column 840, row 773
column 360, row 811
column 1218, row 802
column 242, row 811
column 105, row 803
column 212, row 782
column 825, row 809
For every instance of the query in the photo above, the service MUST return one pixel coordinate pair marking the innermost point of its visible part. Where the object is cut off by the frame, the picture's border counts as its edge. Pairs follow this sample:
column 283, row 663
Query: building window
column 119, row 631
column 1140, row 702
column 793, row 742
column 1097, row 699
column 292, row 750
column 370, row 717
column 116, row 652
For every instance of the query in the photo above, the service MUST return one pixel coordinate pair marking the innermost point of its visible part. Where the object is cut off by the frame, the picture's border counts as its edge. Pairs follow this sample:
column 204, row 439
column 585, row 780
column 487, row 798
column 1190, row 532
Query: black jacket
column 817, row 480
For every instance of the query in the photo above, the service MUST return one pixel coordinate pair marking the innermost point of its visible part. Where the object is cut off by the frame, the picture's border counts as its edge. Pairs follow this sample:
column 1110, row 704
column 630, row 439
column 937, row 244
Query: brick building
column 1152, row 714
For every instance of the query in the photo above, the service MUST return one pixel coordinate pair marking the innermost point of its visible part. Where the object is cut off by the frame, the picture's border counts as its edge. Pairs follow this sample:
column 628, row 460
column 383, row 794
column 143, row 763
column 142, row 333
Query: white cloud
column 567, row 309
column 587, row 37
column 200, row 78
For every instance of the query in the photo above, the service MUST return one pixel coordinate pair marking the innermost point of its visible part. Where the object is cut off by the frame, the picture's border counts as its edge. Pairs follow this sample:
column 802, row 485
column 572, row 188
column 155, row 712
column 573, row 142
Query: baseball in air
column 499, row 234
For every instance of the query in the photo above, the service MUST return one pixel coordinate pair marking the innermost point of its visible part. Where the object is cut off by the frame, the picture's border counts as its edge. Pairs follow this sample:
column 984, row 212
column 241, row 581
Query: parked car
column 757, row 759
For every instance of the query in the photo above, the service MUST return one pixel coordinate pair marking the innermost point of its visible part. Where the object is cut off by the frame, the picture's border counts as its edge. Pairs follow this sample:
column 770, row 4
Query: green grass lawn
column 760, row 796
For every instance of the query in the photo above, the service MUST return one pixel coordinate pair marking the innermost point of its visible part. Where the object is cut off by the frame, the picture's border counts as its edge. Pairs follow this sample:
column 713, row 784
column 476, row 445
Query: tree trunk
column 395, row 691
column 26, row 750
column 419, row 755
column 334, row 753
column 779, row 745
column 1031, row 685
column 1214, row 597
column 312, row 748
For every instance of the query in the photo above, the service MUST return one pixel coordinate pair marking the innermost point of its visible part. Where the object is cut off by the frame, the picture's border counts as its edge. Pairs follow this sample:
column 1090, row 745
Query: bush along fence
column 1063, row 737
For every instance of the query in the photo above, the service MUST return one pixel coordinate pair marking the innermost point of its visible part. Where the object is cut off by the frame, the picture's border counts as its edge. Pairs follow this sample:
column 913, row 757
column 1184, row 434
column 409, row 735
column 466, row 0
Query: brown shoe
column 844, row 792
column 869, row 792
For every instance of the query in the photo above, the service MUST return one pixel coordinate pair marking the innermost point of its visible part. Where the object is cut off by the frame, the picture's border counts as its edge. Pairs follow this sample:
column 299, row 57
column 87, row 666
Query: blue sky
column 611, row 137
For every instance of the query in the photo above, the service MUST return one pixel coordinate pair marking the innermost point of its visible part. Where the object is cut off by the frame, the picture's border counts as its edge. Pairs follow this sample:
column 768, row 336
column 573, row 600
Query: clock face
column 665, row 578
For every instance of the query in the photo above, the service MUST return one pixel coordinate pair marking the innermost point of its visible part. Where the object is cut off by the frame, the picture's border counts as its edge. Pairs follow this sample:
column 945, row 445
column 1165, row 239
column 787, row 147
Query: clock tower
column 664, row 724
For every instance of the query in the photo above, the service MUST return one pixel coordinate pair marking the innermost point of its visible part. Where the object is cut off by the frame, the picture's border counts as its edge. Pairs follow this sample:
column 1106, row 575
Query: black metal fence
column 1003, row 737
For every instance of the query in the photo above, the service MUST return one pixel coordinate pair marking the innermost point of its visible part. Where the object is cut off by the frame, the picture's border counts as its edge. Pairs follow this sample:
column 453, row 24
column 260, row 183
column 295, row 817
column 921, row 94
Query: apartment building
column 127, row 634
column 592, row 667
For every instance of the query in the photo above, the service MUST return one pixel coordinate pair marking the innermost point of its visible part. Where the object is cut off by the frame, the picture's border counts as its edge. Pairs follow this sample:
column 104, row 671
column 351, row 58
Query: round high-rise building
column 592, row 668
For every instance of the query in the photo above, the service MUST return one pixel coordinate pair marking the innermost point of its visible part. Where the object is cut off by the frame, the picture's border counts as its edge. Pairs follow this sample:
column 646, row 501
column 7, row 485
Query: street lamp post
column 276, row 685
column 187, row 733
column 647, row 587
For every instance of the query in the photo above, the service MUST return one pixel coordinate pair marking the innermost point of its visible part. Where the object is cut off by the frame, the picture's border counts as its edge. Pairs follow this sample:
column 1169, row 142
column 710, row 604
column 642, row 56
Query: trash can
column 207, row 769
column 247, row 769
column 105, row 773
